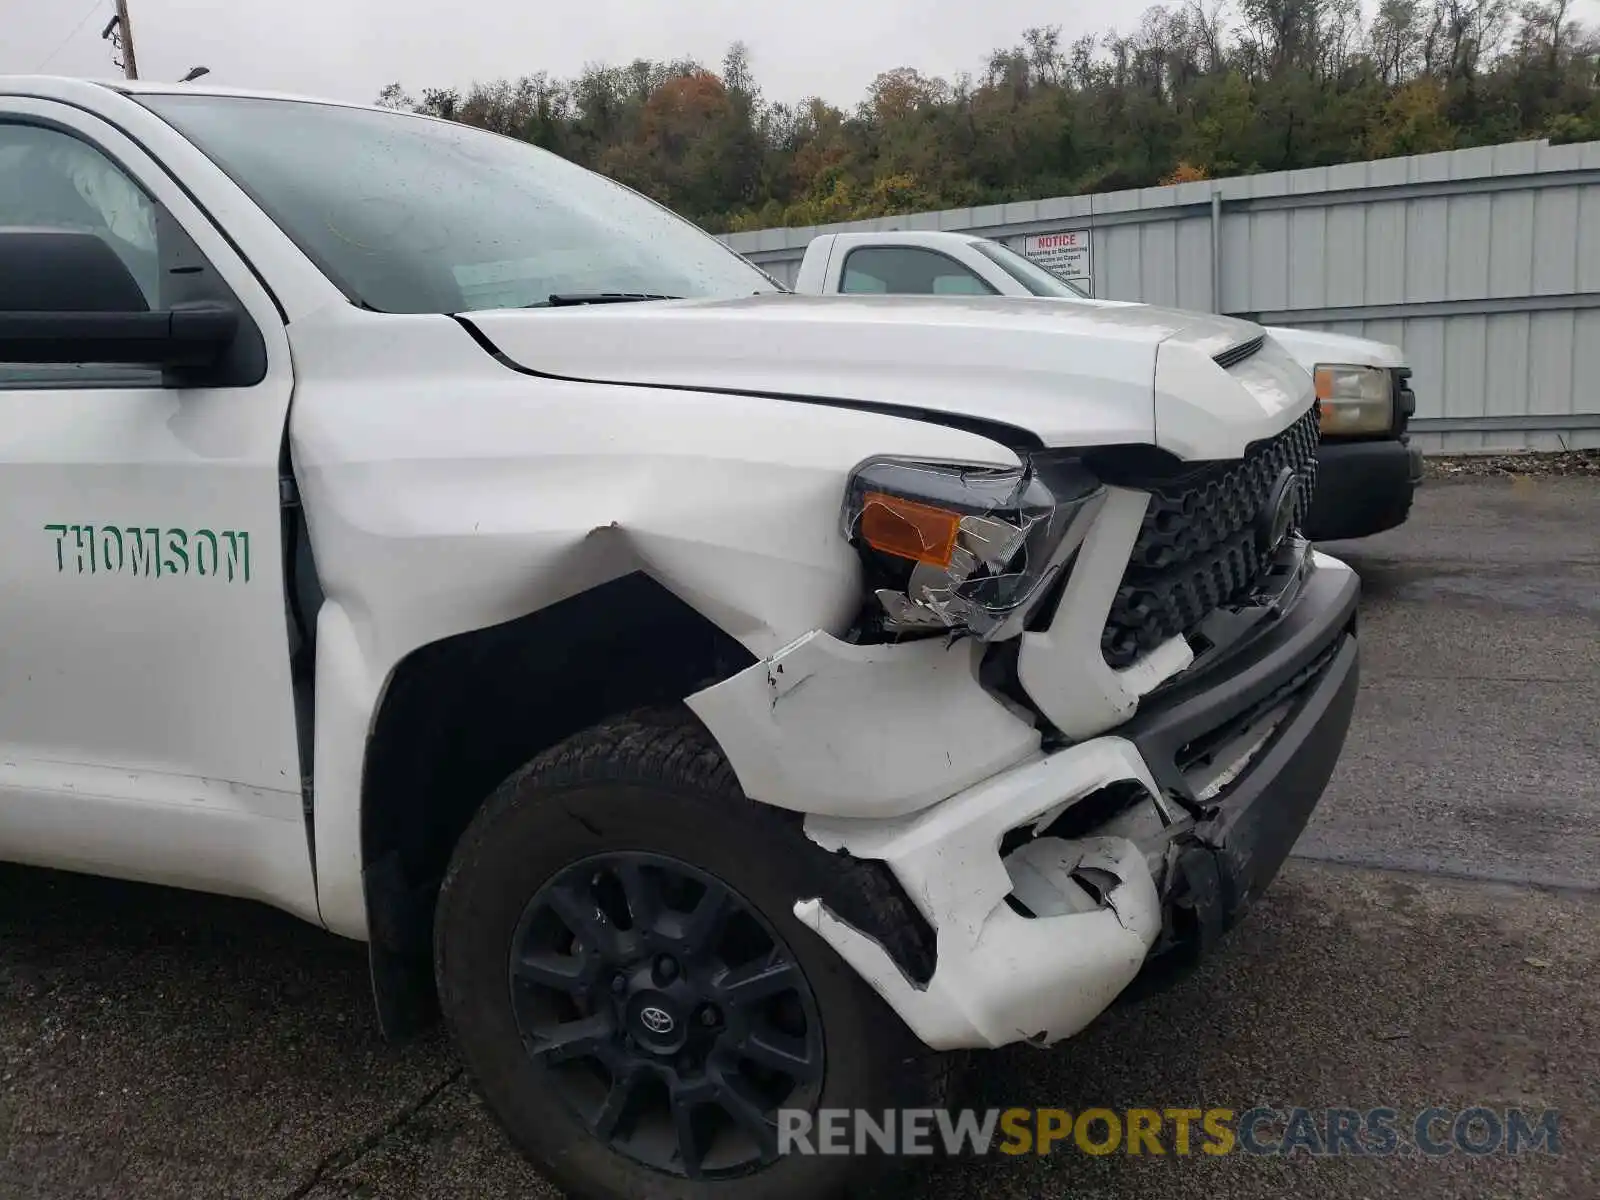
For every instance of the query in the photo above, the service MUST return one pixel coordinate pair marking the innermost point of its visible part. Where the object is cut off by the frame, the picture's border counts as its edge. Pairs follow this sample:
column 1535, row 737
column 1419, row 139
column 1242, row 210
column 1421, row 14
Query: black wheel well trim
column 458, row 716
column 588, row 625
column 915, row 953
column 436, row 753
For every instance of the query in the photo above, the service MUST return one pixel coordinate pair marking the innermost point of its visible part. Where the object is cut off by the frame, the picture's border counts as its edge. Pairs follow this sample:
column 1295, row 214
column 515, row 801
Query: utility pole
column 122, row 39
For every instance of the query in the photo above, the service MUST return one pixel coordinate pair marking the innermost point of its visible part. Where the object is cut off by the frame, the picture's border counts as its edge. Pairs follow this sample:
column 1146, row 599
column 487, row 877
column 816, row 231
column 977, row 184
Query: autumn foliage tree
column 1196, row 90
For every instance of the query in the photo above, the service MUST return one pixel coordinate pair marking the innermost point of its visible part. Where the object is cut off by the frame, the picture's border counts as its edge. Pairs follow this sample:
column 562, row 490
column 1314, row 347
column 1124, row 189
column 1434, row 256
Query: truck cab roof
column 67, row 87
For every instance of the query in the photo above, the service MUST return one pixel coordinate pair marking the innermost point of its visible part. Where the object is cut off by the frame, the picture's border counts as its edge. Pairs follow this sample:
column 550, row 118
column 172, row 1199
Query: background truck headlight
column 1355, row 400
column 963, row 548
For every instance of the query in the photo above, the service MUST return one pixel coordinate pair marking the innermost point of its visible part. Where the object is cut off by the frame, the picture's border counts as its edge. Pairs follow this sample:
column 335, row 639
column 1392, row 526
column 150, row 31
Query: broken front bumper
column 1043, row 915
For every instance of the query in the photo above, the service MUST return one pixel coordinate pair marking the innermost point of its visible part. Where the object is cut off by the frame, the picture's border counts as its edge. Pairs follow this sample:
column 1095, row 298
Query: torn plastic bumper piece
column 1032, row 944
column 1003, row 975
column 829, row 727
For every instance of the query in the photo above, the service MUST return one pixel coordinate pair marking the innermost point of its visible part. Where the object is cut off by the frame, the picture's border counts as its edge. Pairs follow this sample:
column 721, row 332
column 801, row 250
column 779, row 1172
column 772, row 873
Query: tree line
column 1197, row 91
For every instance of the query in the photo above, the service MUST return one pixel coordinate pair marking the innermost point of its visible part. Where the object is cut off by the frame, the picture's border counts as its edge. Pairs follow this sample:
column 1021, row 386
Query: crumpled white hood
column 1069, row 374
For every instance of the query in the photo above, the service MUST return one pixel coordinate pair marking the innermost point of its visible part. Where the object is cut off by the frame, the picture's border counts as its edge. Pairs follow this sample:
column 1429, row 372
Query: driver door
column 147, row 724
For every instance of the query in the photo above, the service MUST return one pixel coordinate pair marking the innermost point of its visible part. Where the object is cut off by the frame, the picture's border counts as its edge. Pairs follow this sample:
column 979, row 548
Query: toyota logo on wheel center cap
column 657, row 1020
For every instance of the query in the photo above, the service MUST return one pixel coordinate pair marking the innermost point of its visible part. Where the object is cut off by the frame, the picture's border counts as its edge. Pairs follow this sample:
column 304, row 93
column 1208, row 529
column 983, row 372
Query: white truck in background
column 720, row 703
column 1368, row 471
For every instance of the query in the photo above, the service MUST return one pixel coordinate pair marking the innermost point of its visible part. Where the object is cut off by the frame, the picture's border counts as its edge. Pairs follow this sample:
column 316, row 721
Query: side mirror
column 65, row 297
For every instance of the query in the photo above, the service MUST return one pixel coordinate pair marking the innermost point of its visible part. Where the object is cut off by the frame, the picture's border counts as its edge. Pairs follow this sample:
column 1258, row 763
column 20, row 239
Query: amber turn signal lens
column 907, row 529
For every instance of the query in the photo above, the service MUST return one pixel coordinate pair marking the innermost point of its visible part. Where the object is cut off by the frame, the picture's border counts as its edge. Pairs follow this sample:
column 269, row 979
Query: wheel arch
column 461, row 714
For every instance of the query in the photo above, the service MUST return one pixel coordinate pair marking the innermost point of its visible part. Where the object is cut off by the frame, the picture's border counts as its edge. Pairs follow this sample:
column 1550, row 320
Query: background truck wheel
column 620, row 966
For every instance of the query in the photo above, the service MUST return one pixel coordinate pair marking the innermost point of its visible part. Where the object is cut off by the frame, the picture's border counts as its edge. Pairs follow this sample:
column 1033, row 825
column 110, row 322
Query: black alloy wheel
column 672, row 1017
column 622, row 972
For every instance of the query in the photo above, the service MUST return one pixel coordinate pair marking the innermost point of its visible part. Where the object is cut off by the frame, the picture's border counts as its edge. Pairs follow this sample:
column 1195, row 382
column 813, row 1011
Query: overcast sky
column 348, row 49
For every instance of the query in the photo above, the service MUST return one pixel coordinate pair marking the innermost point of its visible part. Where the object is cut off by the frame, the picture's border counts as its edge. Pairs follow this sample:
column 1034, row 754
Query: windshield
column 410, row 215
column 1037, row 279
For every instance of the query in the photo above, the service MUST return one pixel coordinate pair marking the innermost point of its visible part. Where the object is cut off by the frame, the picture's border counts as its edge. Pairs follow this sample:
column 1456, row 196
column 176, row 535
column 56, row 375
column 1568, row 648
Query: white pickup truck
column 1368, row 470
column 721, row 703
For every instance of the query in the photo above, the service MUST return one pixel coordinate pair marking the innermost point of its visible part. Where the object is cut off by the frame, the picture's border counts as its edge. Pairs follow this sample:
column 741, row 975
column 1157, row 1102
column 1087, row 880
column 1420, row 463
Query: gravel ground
column 1555, row 462
column 1437, row 942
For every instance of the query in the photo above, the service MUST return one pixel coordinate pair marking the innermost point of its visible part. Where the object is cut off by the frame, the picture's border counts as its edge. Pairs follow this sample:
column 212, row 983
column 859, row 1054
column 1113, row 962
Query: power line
column 76, row 29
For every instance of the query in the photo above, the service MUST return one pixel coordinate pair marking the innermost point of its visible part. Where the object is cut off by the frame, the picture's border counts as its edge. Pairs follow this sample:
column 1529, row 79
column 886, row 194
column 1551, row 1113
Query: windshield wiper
column 569, row 299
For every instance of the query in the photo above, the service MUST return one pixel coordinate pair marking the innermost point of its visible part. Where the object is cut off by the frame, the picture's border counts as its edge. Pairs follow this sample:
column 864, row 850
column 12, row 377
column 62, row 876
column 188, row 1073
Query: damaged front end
column 957, row 562
column 967, row 550
column 1056, row 885
column 1030, row 945
column 1067, row 817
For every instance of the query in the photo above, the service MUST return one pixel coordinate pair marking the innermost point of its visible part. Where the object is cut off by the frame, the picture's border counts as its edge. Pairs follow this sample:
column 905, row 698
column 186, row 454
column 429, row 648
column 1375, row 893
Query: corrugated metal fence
column 1483, row 264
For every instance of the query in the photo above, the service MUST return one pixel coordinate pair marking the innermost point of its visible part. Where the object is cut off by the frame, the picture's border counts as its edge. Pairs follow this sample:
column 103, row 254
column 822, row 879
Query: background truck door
column 147, row 724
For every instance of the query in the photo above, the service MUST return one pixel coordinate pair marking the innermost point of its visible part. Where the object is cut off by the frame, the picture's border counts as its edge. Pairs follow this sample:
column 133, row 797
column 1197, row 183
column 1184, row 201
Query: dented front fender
column 447, row 493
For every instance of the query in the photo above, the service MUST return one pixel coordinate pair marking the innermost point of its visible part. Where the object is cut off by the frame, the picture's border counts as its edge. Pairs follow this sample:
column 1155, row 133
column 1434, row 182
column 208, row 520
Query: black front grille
column 1405, row 399
column 1200, row 546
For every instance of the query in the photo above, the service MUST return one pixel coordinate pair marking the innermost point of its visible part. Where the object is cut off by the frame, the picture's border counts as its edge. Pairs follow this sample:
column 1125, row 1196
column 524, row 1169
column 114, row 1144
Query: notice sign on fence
column 1065, row 252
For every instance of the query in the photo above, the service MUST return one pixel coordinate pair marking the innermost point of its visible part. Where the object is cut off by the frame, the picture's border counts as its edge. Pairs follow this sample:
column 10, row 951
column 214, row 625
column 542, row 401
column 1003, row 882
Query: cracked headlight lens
column 963, row 548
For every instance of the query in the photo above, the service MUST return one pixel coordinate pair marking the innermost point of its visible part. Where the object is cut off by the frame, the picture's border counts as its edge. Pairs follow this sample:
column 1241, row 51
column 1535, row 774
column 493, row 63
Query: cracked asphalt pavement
column 1435, row 941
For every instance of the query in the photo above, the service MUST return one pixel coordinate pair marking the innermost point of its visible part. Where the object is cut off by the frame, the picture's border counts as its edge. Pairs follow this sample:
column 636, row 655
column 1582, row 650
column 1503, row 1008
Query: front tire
column 619, row 964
